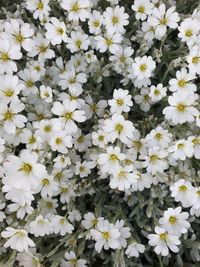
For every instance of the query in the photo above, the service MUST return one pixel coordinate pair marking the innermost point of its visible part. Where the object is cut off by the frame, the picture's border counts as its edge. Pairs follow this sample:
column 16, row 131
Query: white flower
column 95, row 22
column 122, row 179
column 115, row 19
column 121, row 101
column 90, row 220
column 74, row 81
column 159, row 137
column 188, row 30
column 46, row 93
column 195, row 140
column 60, row 141
column 8, row 53
column 17, row 239
column 10, row 88
column 122, row 59
column 181, row 150
column 182, row 191
column 73, row 261
column 77, row 9
column 28, row 259
column 19, row 33
column 163, row 241
column 143, row 180
column 182, row 82
column 195, row 209
column 40, row 8
column 106, row 236
column 25, row 168
column 47, row 186
column 83, row 169
column 78, row 41
column 155, row 160
column 157, row 92
column 61, row 225
column 40, row 226
column 143, row 8
column 109, row 41
column 193, row 60
column 118, row 128
column 174, row 221
column 161, row 18
column 10, row 117
column 41, row 48
column 68, row 114
column 124, row 232
column 109, row 161
column 143, row 67
column 56, row 31
column 134, row 249
column 29, row 79
column 99, row 138
column 181, row 107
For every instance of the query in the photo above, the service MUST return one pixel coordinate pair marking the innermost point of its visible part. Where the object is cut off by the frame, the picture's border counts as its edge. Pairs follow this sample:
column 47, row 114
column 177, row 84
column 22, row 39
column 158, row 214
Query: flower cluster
column 99, row 133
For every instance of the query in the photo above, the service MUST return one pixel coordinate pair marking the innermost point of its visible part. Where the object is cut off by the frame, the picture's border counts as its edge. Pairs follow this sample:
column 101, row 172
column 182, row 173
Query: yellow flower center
column 93, row 107
column 49, row 205
column 163, row 236
column 119, row 128
column 82, row 168
column 163, row 21
column 153, row 157
column 189, row 33
column 122, row 174
column 62, row 221
column 120, row 101
column 158, row 136
column 156, row 92
column 109, row 41
column 182, row 83
column 58, row 141
column 182, row 188
column 122, row 59
column 80, row 139
column 75, row 7
column 181, row 146
column 26, row 167
column 60, row 31
column 195, row 60
column 143, row 67
column 4, row 57
column 64, row 190
column 9, row 92
column 106, row 235
column 19, row 38
column 113, row 157
column 40, row 5
column 8, row 115
column 172, row 219
column 73, row 262
column 94, row 222
column 45, row 182
column 101, row 138
column 68, row 115
column 47, row 128
column 32, row 140
column 141, row 9
column 43, row 48
column 20, row 234
column 78, row 43
column 29, row 83
column 196, row 141
column 115, row 20
column 181, row 107
column 96, row 23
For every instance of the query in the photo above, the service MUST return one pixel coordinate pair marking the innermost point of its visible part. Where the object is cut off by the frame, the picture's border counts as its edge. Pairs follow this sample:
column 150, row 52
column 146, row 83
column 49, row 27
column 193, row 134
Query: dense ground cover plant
column 99, row 133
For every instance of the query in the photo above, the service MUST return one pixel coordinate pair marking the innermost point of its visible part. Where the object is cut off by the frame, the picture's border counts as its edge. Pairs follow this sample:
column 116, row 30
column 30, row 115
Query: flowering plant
column 99, row 133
